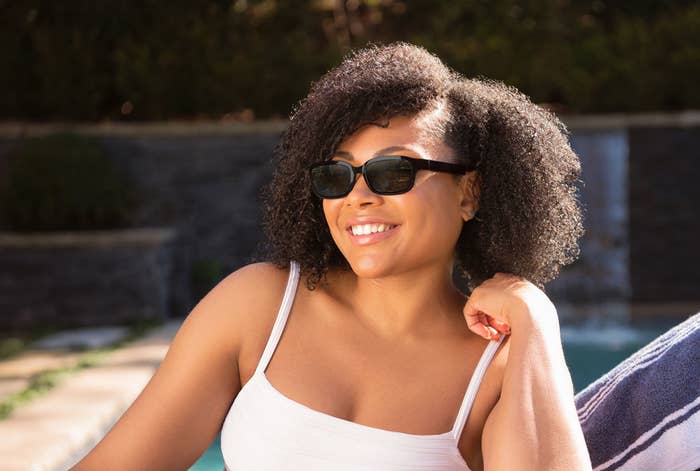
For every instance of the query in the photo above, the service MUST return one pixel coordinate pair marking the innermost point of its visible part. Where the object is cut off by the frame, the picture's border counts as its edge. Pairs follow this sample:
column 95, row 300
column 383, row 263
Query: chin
column 372, row 266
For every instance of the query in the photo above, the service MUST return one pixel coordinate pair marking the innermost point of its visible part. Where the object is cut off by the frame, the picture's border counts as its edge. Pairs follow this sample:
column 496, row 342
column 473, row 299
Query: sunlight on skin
column 414, row 210
column 417, row 258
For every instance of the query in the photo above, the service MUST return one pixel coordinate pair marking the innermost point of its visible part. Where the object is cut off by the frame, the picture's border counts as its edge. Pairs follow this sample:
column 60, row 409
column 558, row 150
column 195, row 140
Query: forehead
column 415, row 132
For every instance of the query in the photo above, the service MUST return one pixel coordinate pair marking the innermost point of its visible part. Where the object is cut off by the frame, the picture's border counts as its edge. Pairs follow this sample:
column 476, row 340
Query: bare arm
column 534, row 425
column 181, row 409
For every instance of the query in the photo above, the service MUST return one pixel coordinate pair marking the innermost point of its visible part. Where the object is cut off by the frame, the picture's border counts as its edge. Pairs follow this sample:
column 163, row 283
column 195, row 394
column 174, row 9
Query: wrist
column 540, row 315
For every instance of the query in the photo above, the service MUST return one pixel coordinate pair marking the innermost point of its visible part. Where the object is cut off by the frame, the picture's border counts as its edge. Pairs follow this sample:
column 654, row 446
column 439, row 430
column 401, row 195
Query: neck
column 407, row 305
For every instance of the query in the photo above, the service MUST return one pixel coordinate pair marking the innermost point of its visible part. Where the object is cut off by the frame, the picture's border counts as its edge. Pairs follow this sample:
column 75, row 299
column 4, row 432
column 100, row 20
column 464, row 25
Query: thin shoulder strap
column 473, row 387
column 281, row 319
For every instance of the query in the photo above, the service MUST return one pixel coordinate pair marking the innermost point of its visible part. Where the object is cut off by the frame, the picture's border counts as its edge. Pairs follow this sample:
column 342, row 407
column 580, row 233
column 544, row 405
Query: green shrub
column 64, row 182
column 213, row 58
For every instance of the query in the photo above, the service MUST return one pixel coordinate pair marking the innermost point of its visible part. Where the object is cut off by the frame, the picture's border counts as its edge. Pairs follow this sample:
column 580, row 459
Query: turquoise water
column 211, row 460
column 590, row 351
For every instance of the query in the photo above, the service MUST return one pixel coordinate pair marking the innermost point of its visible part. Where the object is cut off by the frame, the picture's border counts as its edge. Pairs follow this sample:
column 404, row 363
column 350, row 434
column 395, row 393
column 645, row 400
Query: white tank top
column 266, row 430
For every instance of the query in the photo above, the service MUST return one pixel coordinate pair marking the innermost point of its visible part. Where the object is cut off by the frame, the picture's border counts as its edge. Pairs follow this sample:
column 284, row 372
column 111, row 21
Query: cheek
column 436, row 203
column 437, row 217
column 330, row 212
column 327, row 210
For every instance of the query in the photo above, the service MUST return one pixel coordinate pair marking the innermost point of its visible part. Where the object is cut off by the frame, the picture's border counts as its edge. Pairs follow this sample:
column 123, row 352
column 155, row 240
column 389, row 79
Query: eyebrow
column 349, row 156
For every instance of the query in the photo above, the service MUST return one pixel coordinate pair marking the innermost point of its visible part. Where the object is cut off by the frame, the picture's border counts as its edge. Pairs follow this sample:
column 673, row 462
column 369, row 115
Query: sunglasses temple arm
column 443, row 166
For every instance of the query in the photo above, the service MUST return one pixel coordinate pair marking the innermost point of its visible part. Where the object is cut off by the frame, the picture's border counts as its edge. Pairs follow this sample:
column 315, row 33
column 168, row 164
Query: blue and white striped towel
column 644, row 414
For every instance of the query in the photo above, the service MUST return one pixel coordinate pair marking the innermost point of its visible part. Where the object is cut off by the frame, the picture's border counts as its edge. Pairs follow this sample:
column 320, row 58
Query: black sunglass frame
column 416, row 164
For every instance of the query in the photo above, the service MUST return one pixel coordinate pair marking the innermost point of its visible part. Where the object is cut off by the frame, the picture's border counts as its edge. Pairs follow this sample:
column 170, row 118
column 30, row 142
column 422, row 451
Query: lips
column 373, row 238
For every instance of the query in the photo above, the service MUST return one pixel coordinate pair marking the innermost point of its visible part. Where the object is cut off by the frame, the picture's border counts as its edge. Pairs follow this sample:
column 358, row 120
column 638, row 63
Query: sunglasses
column 385, row 175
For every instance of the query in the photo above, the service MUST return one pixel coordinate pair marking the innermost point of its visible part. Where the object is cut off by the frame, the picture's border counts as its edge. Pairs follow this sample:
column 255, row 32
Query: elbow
column 567, row 459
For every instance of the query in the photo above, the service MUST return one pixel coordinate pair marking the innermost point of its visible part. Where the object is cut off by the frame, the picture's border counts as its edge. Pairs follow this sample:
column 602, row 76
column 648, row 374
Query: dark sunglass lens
column 390, row 175
column 331, row 179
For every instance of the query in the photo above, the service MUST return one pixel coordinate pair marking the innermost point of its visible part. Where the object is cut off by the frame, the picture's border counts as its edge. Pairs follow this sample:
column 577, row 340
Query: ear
column 470, row 190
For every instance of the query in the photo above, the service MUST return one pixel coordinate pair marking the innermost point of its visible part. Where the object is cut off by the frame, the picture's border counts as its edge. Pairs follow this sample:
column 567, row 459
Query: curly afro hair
column 529, row 219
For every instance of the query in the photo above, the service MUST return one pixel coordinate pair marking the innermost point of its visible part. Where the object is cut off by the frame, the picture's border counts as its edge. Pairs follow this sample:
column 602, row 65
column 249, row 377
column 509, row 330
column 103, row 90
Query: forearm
column 540, row 405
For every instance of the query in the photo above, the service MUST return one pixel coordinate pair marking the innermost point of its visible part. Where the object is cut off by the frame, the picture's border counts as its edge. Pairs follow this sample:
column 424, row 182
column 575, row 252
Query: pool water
column 590, row 351
column 211, row 460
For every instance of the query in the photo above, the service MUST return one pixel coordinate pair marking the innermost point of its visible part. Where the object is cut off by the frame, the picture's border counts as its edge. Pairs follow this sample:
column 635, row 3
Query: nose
column 361, row 194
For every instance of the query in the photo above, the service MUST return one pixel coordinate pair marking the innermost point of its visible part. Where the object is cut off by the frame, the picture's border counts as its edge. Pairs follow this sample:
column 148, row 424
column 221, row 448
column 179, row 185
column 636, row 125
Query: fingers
column 484, row 325
column 501, row 326
column 476, row 321
column 483, row 328
column 492, row 333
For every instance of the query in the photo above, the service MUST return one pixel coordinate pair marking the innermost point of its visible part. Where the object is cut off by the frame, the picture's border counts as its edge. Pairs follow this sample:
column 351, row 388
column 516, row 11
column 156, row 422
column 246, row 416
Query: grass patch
column 45, row 381
column 17, row 343
column 11, row 346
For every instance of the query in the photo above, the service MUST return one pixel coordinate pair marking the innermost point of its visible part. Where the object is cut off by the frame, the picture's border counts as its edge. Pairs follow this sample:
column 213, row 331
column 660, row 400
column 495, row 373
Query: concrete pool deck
column 55, row 430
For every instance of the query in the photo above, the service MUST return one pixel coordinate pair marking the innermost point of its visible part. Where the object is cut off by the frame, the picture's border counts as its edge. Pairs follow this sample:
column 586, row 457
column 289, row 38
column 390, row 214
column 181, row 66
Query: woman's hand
column 503, row 301
column 535, row 413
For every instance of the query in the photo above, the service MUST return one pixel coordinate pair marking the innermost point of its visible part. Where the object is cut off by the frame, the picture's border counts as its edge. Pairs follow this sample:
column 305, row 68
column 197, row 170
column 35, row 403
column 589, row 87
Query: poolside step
column 54, row 431
column 85, row 338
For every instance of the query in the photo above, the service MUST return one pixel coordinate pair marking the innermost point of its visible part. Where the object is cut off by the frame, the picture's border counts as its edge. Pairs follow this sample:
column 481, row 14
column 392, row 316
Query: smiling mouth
column 372, row 237
column 385, row 228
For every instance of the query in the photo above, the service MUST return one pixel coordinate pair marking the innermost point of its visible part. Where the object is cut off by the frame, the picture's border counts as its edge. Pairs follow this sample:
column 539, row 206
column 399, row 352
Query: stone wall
column 202, row 182
column 205, row 186
column 641, row 197
column 66, row 279
column 664, row 206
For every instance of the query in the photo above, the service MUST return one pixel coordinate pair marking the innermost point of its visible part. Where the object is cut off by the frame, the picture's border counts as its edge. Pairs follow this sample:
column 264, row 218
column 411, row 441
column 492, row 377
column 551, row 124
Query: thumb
column 477, row 322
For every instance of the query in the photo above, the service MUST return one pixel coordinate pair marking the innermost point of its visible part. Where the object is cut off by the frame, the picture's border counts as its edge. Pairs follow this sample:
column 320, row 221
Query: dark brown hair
column 529, row 220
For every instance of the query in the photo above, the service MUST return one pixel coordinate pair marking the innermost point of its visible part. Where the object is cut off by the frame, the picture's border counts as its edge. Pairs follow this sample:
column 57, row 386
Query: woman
column 394, row 171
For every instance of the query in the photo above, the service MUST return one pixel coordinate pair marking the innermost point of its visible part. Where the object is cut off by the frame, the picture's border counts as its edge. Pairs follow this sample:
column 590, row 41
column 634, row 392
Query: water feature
column 597, row 284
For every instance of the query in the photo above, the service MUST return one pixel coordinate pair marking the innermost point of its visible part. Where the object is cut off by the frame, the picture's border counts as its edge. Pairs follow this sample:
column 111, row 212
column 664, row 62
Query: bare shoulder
column 164, row 428
column 235, row 305
column 258, row 290
column 252, row 294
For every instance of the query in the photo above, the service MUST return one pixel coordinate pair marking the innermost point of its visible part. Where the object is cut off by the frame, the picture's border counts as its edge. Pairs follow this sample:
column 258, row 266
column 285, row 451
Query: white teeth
column 363, row 229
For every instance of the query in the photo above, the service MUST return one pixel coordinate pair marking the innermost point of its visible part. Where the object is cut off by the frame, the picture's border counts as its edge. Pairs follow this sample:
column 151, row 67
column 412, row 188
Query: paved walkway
column 54, row 431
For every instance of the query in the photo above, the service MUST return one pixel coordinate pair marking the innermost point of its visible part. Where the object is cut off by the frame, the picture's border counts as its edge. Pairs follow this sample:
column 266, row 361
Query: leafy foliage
column 64, row 181
column 94, row 60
